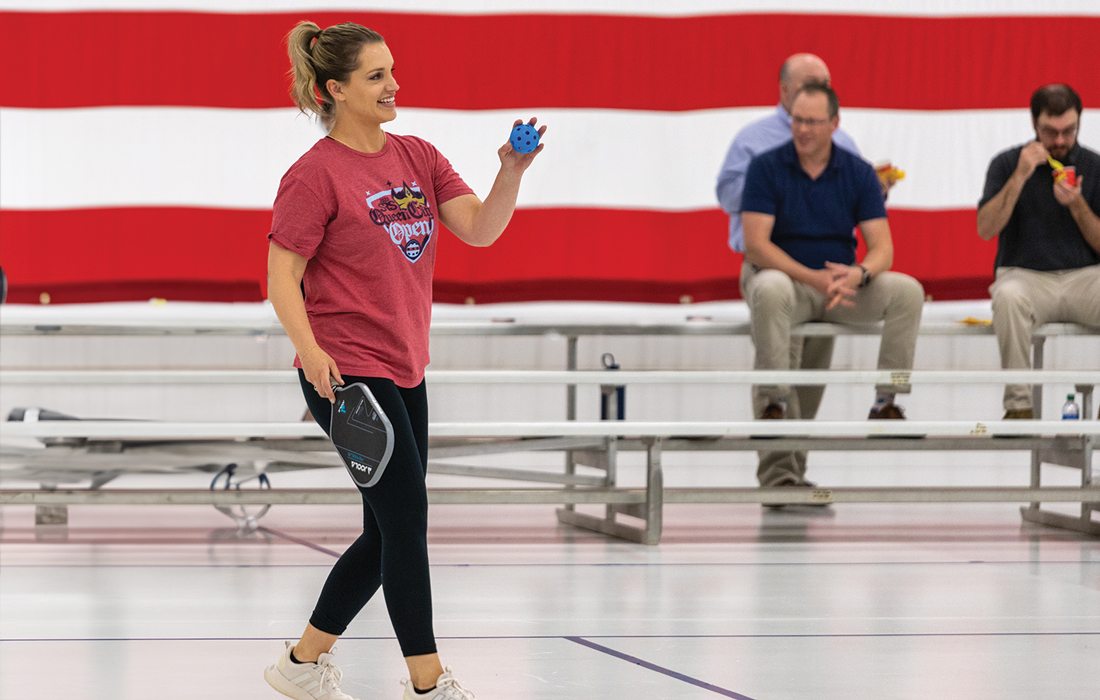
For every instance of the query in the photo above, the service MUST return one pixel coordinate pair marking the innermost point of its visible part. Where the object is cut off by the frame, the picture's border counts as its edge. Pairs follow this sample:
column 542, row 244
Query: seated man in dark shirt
column 1048, row 234
column 801, row 203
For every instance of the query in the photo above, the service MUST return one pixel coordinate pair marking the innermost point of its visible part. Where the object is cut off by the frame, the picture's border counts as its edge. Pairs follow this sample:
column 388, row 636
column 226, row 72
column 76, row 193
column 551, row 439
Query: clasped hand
column 838, row 284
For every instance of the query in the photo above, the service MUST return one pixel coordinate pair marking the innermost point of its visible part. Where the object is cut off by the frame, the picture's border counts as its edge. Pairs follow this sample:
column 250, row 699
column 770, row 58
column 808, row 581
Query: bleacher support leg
column 649, row 512
column 1084, row 522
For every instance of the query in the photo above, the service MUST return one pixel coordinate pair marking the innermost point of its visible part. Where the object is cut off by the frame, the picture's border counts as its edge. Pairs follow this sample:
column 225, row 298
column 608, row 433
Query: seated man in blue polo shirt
column 801, row 204
column 755, row 138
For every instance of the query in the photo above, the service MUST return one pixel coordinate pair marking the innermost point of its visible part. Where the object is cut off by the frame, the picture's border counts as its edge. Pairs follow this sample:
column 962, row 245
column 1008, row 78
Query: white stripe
column 650, row 8
column 664, row 161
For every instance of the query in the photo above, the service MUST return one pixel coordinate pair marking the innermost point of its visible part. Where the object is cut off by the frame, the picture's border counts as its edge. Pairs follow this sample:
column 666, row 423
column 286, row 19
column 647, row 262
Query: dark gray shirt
column 1041, row 234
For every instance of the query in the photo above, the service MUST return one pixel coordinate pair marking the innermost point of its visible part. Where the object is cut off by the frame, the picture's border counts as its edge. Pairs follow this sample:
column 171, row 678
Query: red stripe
column 598, row 254
column 77, row 59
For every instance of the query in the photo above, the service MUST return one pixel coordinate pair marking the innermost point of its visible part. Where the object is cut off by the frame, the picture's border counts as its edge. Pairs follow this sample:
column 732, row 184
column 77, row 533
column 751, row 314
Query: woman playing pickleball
column 351, row 253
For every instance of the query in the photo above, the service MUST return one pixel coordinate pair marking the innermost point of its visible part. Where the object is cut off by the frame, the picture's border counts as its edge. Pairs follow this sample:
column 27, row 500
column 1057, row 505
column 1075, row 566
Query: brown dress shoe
column 1019, row 414
column 774, row 411
column 887, row 412
column 890, row 412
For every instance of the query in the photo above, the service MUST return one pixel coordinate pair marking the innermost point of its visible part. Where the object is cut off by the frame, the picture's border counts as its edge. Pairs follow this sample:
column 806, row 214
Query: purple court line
column 298, row 540
column 845, row 635
column 580, row 640
column 659, row 669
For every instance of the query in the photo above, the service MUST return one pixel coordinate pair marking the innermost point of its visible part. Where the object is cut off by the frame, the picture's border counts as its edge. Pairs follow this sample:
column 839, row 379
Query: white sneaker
column 446, row 688
column 309, row 681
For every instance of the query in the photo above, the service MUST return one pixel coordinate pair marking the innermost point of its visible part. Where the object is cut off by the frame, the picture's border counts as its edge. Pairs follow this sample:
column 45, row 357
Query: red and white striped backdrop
column 141, row 141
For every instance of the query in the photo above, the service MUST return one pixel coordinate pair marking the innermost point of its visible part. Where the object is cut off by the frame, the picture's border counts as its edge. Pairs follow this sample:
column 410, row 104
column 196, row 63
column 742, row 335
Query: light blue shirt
column 759, row 136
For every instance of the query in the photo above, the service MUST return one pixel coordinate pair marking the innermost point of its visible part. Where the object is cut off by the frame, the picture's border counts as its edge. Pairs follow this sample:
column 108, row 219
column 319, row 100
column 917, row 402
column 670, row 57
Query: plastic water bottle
column 612, row 396
column 1070, row 409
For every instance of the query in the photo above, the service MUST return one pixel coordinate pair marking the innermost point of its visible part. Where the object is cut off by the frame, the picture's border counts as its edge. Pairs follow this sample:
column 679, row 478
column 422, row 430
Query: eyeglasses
column 812, row 123
column 1050, row 133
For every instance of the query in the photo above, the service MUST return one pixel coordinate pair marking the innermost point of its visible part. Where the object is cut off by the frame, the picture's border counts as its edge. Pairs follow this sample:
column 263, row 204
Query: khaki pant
column 1025, row 299
column 777, row 303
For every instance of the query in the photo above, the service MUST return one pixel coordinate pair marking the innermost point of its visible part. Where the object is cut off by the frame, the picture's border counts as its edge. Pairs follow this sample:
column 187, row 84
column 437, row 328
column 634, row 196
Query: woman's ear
column 335, row 89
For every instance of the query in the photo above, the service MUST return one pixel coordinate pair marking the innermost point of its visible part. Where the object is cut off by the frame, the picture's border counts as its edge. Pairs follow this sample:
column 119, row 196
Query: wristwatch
column 865, row 279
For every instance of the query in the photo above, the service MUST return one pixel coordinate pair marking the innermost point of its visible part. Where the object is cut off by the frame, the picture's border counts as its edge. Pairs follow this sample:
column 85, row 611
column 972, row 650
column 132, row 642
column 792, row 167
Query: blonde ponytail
column 303, row 86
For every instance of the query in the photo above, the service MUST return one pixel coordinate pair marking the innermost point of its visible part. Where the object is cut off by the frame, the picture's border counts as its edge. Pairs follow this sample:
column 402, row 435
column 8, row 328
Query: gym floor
column 874, row 601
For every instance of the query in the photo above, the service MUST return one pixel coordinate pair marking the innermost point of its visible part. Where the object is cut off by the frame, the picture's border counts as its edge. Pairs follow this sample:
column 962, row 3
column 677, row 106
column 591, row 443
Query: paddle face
column 361, row 433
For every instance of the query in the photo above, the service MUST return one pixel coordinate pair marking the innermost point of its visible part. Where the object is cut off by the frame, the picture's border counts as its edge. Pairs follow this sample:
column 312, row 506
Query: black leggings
column 393, row 549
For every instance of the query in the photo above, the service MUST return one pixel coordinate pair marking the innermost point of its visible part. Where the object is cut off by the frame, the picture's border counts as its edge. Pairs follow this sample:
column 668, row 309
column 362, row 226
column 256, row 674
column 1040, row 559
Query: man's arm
column 993, row 216
column 760, row 251
column 1087, row 221
column 879, row 259
column 869, row 213
column 880, row 246
column 731, row 187
column 731, row 178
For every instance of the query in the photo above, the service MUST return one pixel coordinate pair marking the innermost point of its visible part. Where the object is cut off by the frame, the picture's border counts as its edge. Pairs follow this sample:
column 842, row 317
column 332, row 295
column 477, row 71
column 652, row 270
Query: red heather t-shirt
column 367, row 223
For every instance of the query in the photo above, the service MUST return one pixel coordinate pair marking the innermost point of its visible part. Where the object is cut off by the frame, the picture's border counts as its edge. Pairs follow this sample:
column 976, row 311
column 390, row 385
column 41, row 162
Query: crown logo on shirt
column 404, row 196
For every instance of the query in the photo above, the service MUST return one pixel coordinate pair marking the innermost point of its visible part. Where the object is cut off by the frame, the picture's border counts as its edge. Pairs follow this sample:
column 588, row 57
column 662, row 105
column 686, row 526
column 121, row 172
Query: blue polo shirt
column 814, row 219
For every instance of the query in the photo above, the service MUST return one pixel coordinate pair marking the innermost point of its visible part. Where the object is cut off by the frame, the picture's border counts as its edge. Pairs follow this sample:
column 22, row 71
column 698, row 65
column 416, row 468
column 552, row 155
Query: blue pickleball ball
column 524, row 138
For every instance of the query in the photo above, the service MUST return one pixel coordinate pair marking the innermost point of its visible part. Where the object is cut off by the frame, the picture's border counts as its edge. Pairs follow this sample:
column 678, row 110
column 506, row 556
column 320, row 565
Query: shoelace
column 330, row 677
column 449, row 688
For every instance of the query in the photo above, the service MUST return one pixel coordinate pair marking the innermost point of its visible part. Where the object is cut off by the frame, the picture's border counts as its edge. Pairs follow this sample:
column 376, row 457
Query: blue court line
column 659, row 669
column 297, row 540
